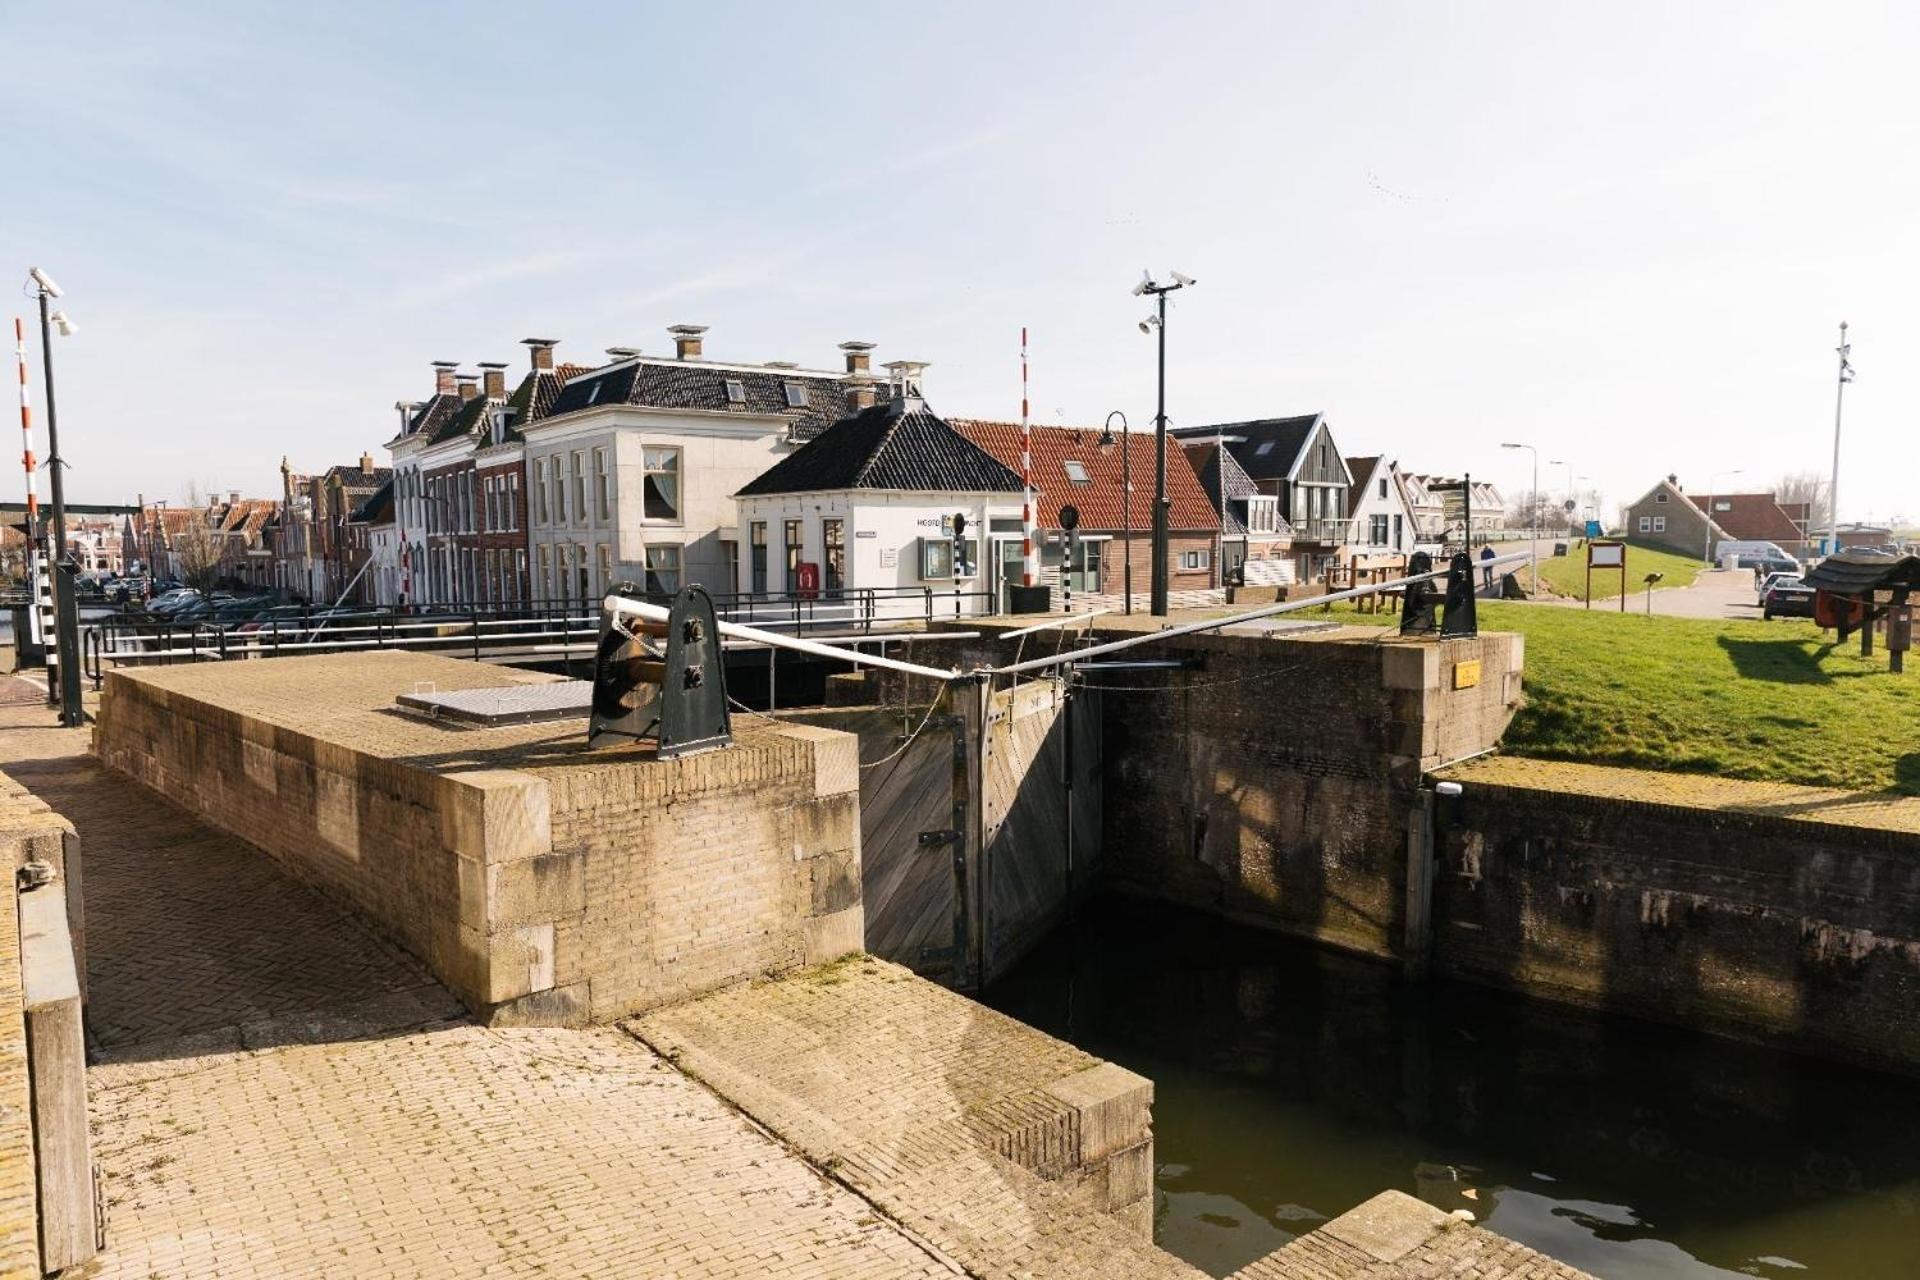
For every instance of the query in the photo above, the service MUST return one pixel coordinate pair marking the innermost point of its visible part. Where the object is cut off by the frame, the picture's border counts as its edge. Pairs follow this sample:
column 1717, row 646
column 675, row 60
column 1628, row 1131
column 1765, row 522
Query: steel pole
column 1158, row 604
column 1126, row 514
column 1833, row 490
column 67, row 630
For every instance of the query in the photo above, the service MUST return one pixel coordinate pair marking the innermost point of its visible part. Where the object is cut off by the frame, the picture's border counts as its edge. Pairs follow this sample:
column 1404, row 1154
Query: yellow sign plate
column 1466, row 674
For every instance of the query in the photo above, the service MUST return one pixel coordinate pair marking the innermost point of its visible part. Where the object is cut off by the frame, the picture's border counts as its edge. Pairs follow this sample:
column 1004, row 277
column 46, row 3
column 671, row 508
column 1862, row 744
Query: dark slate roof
column 1239, row 486
column 879, row 448
column 1851, row 573
column 433, row 414
column 692, row 384
column 1266, row 447
column 353, row 479
column 378, row 508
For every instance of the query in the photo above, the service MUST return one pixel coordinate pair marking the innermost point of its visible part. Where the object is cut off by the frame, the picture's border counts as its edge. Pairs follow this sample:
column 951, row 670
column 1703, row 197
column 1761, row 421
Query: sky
column 1624, row 234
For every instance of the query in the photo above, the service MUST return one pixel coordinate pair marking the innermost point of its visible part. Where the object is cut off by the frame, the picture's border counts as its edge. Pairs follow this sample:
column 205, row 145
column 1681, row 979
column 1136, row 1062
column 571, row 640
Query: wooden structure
column 1859, row 590
column 1603, row 553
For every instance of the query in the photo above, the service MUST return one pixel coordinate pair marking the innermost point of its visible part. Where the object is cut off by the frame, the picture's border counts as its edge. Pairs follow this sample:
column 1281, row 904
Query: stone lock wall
column 1782, row 914
column 540, row 881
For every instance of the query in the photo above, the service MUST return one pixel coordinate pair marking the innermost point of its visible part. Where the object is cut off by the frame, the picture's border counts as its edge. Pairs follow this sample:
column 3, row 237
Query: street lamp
column 1569, row 508
column 67, row 635
column 1107, row 442
column 1157, row 605
column 1713, row 486
column 1533, row 503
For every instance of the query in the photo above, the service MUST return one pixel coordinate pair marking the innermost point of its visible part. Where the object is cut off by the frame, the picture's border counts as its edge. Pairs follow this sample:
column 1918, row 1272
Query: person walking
column 1486, row 570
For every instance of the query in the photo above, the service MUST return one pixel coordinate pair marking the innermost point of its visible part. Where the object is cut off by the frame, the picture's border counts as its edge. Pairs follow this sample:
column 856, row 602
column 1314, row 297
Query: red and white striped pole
column 35, row 615
column 1029, row 570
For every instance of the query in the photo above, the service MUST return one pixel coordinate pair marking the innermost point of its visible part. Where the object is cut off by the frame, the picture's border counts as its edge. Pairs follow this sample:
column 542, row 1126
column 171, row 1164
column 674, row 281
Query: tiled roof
column 881, row 449
column 468, row 420
column 432, row 414
column 1100, row 502
column 1751, row 517
column 1206, row 456
column 692, row 384
column 378, row 507
column 1853, row 573
column 1265, row 447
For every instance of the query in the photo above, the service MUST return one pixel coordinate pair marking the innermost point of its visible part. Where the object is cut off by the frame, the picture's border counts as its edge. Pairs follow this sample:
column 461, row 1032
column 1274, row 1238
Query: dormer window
column 1077, row 471
column 1661, row 496
column 736, row 391
column 796, row 396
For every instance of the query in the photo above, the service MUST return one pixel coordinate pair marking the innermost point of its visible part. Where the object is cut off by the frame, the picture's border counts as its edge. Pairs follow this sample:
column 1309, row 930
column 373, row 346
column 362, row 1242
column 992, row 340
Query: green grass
column 1766, row 701
column 1567, row 575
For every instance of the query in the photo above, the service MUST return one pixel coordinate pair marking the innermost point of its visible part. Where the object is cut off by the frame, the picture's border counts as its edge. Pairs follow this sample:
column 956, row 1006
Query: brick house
column 1667, row 516
column 1296, row 461
column 1256, row 542
column 1071, row 468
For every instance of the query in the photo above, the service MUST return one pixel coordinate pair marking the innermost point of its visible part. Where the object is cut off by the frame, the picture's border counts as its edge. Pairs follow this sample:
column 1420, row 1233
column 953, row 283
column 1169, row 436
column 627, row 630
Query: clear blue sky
column 1624, row 232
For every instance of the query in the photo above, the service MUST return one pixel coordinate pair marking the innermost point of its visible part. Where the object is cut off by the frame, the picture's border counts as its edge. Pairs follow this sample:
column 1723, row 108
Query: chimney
column 233, row 497
column 860, row 394
column 617, row 354
column 494, row 378
column 366, row 464
column 542, row 351
column 686, row 340
column 405, row 409
column 469, row 384
column 443, row 374
column 858, row 356
column 904, row 377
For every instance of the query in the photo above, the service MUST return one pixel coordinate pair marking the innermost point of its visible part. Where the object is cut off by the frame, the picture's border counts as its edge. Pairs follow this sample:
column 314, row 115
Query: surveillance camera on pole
column 44, row 281
column 1158, row 322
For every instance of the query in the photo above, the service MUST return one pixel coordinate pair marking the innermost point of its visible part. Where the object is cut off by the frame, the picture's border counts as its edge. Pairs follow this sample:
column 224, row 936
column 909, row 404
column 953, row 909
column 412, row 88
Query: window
column 757, row 556
column 1721, row 504
column 660, row 484
column 543, row 588
column 663, row 569
column 1646, row 524
column 579, row 487
column 513, row 500
column 736, row 391
column 1399, row 529
column 833, row 569
column 1660, row 496
column 1659, row 524
column 1377, row 530
column 600, row 494
column 1263, row 514
column 1323, row 456
column 1076, row 471
column 796, row 396
column 790, row 534
column 519, row 576
column 936, row 558
column 540, row 491
column 730, row 557
column 1086, row 573
column 559, row 489
column 585, row 582
column 1383, row 486
column 1202, row 559
column 1263, row 449
column 487, row 506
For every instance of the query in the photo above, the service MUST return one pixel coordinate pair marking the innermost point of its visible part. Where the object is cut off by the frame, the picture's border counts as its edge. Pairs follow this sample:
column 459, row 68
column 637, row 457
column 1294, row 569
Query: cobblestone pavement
column 282, row 1095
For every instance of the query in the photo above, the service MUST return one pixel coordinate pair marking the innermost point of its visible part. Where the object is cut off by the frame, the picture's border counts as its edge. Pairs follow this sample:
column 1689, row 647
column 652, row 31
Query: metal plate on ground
column 507, row 704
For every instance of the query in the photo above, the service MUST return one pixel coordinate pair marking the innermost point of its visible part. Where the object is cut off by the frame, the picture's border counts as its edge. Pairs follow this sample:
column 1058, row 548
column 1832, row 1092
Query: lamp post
column 67, row 632
column 1107, row 441
column 1713, row 487
column 1157, row 604
column 1569, row 508
column 1533, row 513
column 1844, row 350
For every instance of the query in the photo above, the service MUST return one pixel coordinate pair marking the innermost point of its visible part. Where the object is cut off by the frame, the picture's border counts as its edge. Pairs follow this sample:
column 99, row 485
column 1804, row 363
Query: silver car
column 1773, row 580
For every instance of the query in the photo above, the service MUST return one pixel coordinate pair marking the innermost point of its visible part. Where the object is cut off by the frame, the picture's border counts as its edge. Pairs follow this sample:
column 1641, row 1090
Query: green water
column 1292, row 1083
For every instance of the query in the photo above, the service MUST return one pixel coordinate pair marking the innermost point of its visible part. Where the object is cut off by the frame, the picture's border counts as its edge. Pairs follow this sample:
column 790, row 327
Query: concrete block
column 1409, row 664
column 836, row 882
column 519, row 962
column 546, row 887
column 496, row 815
column 1388, row 1227
column 825, row 824
column 1137, row 1217
column 1130, row 1175
column 57, row 1069
column 568, row 1006
column 829, row 937
column 1114, row 1108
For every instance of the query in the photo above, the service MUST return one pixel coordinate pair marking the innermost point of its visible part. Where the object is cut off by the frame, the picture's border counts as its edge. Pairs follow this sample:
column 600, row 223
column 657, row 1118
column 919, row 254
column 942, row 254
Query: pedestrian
column 1486, row 569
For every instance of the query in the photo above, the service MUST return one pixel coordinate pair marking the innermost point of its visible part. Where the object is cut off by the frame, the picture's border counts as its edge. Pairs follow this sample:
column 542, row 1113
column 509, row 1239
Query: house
column 1381, row 508
column 1296, row 461
column 1486, row 509
column 420, row 422
column 1758, row 517
column 381, row 586
column 1668, row 516
column 1256, row 544
column 1072, row 468
column 867, row 506
column 633, row 473
column 317, row 552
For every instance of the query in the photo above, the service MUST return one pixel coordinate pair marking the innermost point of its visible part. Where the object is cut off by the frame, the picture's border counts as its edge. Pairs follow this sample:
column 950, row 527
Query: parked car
column 1788, row 600
column 1764, row 563
column 1773, row 580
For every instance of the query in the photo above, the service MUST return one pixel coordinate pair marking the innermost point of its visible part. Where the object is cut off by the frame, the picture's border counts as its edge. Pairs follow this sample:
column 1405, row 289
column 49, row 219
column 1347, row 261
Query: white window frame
column 1646, row 524
column 539, row 491
column 602, row 485
column 679, row 473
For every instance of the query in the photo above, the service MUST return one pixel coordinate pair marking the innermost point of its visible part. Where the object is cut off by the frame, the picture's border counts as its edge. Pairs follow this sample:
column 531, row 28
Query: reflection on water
column 1291, row 1084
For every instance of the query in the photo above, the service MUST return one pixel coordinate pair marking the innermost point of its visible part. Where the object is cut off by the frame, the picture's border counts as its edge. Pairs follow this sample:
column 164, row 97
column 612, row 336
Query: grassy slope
column 1567, row 575
column 1768, row 701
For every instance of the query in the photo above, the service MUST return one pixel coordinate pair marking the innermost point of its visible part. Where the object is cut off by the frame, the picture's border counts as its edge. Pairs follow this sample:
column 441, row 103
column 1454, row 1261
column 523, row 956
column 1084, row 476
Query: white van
column 1760, row 556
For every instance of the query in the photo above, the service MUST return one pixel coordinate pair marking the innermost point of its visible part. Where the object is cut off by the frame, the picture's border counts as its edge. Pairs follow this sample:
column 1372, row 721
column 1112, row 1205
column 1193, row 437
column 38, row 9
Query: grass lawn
column 1768, row 701
column 1567, row 575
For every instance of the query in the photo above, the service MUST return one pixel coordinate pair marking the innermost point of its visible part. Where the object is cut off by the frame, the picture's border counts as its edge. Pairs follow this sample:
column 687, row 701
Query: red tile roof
column 1753, row 517
column 1099, row 500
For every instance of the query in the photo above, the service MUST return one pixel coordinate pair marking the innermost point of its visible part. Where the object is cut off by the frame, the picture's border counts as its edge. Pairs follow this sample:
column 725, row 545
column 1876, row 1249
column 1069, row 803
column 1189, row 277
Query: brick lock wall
column 19, row 1225
column 537, row 893
column 1759, row 926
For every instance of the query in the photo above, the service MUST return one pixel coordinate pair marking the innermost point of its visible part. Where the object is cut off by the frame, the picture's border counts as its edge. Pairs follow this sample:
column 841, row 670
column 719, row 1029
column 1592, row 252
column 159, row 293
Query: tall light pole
column 67, row 634
column 1533, row 513
column 1844, row 350
column 1107, row 442
column 1561, row 462
column 1157, row 605
column 1713, row 488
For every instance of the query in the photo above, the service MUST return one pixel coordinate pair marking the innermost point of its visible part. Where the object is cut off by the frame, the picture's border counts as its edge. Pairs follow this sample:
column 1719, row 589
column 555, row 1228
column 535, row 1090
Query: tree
column 195, row 547
column 1809, row 487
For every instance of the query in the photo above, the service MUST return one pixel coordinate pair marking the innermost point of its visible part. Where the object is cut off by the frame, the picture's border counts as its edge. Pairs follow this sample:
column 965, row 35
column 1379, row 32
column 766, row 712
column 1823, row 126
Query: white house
column 1381, row 508
column 864, row 513
column 631, row 476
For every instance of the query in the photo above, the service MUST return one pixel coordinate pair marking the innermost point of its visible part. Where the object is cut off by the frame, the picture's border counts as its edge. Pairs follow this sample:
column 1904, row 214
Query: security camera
column 1146, row 283
column 66, row 327
column 47, row 286
column 1182, row 281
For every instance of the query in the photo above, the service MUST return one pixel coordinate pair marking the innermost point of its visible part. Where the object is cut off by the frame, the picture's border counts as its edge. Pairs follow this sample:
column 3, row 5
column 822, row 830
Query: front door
column 1010, row 569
